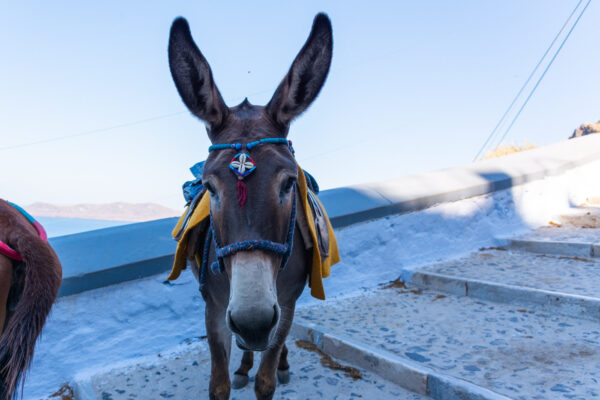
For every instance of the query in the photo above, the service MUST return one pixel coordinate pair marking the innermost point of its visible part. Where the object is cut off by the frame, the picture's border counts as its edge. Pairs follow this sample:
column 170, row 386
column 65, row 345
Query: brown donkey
column 28, row 288
column 255, row 295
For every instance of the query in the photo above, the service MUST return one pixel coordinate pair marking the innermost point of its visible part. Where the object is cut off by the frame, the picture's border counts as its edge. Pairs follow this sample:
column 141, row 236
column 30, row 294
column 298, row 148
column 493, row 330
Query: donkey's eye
column 287, row 186
column 210, row 188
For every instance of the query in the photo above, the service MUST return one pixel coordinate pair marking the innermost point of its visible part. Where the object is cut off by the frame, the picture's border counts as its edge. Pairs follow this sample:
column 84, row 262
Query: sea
column 57, row 226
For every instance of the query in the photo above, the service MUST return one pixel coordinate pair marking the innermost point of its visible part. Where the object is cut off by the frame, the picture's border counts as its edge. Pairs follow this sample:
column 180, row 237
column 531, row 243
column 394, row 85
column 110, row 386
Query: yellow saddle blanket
column 320, row 265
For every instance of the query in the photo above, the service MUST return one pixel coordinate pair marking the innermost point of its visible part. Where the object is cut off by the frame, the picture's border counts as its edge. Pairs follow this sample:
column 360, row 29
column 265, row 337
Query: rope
column 249, row 146
column 204, row 263
column 283, row 249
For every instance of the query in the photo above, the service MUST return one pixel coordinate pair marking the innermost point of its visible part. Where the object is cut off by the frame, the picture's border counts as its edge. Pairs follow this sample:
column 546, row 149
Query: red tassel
column 241, row 187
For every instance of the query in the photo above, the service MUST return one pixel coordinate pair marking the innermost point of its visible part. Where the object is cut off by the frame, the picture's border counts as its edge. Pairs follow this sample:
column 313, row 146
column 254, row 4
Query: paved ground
column 185, row 374
column 565, row 274
column 562, row 234
column 583, row 216
column 517, row 323
column 517, row 347
column 517, row 352
column 579, row 225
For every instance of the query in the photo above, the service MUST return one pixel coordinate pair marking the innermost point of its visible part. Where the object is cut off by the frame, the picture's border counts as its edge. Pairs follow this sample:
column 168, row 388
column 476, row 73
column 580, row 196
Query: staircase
column 516, row 321
column 520, row 321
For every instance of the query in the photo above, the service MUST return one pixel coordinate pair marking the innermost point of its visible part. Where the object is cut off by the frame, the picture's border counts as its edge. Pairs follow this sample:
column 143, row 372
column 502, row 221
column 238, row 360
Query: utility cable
column 483, row 147
column 85, row 133
column 110, row 128
column 544, row 73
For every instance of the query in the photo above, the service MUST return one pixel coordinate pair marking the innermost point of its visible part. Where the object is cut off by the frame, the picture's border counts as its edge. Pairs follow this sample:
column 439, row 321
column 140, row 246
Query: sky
column 414, row 86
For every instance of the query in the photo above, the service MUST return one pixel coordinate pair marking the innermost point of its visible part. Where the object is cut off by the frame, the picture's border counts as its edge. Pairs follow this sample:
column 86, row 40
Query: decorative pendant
column 242, row 164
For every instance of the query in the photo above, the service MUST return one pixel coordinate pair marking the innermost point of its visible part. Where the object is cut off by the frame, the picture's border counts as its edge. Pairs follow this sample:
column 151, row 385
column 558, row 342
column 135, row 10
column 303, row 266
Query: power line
column 544, row 73
column 85, row 133
column 527, row 81
column 110, row 128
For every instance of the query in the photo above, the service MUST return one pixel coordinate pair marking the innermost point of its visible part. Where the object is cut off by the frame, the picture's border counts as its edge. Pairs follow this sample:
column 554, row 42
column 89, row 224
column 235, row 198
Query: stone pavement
column 184, row 375
column 517, row 352
column 519, row 324
column 566, row 274
column 519, row 321
column 573, row 234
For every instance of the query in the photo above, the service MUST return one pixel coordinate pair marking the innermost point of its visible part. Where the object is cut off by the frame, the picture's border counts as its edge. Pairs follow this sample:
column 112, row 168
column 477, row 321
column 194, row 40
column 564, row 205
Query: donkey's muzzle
column 253, row 326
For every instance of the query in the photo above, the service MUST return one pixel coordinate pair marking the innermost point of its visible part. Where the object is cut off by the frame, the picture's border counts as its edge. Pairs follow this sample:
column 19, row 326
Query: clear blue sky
column 414, row 86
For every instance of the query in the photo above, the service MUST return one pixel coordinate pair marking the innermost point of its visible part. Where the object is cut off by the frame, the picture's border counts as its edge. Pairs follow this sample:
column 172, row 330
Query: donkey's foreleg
column 283, row 369
column 264, row 384
column 219, row 341
column 240, row 378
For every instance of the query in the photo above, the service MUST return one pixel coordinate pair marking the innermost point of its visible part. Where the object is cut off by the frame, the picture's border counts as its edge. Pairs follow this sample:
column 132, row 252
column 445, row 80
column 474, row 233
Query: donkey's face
column 253, row 311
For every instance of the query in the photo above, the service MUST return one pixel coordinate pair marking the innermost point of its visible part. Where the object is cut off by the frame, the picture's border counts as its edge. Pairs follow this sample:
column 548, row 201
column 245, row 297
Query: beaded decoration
column 242, row 164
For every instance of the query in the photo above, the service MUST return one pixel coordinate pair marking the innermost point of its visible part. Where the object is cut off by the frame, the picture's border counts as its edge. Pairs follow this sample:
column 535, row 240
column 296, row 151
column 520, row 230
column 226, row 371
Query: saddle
column 320, row 221
column 312, row 221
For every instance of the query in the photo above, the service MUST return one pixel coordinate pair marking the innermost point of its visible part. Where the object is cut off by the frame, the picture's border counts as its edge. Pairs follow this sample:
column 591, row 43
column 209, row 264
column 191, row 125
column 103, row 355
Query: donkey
column 254, row 298
column 29, row 283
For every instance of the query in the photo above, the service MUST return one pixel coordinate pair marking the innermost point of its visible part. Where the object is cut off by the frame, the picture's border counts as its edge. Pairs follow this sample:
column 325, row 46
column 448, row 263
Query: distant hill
column 110, row 211
column 586, row 129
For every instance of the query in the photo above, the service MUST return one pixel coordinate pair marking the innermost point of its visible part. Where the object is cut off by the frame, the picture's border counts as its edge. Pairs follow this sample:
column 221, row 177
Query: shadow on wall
column 113, row 255
column 351, row 205
column 394, row 246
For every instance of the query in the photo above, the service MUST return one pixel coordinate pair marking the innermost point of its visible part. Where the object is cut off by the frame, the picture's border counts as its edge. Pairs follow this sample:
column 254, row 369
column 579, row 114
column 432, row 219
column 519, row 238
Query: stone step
column 574, row 249
column 564, row 240
column 583, row 216
column 574, row 233
column 406, row 373
column 553, row 302
column 569, row 285
column 184, row 374
column 511, row 351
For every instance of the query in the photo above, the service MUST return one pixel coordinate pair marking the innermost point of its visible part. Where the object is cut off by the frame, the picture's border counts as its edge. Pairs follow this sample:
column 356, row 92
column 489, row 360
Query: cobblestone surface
column 563, row 274
column 184, row 375
column 563, row 234
column 581, row 217
column 515, row 352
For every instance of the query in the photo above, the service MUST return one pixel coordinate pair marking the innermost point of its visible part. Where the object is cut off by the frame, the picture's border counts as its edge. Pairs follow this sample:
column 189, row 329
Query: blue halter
column 282, row 249
column 249, row 146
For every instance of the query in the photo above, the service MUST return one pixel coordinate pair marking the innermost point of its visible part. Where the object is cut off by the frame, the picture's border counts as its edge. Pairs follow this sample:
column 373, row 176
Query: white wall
column 137, row 318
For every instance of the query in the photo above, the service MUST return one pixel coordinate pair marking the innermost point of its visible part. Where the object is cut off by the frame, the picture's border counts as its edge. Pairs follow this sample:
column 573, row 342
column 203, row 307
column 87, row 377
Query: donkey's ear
column 306, row 76
column 193, row 77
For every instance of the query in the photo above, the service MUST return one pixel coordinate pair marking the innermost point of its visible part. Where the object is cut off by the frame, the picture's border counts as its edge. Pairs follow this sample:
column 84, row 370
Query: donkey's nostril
column 232, row 325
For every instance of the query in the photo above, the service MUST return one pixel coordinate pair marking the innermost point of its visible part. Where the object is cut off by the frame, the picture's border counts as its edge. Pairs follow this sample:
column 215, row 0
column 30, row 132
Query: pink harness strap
column 9, row 252
column 5, row 250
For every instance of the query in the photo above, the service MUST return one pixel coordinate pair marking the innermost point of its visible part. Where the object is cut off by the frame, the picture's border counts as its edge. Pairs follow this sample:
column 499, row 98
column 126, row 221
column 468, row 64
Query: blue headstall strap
column 249, row 146
column 282, row 249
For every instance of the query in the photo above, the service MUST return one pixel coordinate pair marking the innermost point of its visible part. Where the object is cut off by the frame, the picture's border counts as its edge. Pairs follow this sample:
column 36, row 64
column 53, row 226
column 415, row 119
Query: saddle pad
column 321, row 261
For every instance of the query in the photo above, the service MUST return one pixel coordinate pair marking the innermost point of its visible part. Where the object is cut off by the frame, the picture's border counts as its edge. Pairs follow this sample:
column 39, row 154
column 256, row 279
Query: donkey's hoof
column 239, row 381
column 283, row 376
